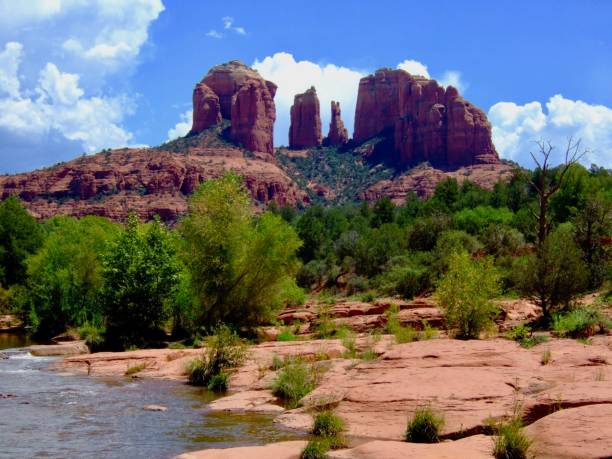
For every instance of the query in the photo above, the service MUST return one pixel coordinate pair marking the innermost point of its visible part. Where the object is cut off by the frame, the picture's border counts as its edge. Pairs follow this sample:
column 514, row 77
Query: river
column 46, row 414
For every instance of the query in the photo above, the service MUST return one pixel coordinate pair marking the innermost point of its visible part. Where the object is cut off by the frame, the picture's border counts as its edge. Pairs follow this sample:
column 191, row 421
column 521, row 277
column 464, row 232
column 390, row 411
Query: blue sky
column 77, row 76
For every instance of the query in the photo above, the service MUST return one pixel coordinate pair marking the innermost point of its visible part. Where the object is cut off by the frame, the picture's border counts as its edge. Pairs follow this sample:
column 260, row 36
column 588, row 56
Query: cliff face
column 147, row 181
column 422, row 120
column 305, row 128
column 338, row 135
column 239, row 94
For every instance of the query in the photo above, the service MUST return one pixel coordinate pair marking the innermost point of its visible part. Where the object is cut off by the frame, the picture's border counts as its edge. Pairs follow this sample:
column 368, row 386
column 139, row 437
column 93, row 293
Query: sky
column 78, row 76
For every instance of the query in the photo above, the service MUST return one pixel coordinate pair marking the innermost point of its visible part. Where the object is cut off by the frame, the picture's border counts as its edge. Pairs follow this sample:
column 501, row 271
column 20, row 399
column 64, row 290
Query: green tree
column 555, row 274
column 64, row 276
column 140, row 271
column 466, row 293
column 476, row 221
column 20, row 235
column 383, row 212
column 241, row 267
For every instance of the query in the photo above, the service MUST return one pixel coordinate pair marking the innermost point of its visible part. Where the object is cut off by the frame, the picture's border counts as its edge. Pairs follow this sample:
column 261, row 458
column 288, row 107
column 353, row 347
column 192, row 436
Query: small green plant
column 425, row 426
column 580, row 323
column 321, row 355
column 403, row 334
column 324, row 325
column 523, row 335
column 510, row 441
column 348, row 341
column 92, row 334
column 369, row 354
column 316, row 448
column 218, row 382
column 277, row 362
column 328, row 424
column 135, row 369
column 428, row 331
column 286, row 335
column 294, row 381
column 177, row 345
column 224, row 350
column 367, row 297
column 546, row 357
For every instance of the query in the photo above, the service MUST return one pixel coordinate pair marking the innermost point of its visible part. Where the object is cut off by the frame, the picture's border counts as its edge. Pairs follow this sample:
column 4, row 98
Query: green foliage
column 93, row 334
column 316, row 448
column 425, row 426
column 404, row 276
column 135, row 369
column 20, row 236
column 328, row 424
column 523, row 335
column 224, row 350
column 402, row 334
column 140, row 270
column 65, row 275
column 241, row 266
column 423, row 234
column 377, row 247
column 581, row 323
column 294, row 381
column 383, row 212
column 218, row 382
column 555, row 274
column 286, row 335
column 466, row 294
column 510, row 441
column 475, row 221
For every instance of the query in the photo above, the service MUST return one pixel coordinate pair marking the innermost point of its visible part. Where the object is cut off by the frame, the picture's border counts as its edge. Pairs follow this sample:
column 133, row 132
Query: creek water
column 46, row 414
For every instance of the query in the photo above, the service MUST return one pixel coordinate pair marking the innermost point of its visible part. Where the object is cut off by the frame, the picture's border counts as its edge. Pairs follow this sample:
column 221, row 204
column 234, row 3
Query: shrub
column 465, row 294
column 523, row 335
column 424, row 426
column 580, row 323
column 286, row 335
column 316, row 449
column 328, row 424
column 511, row 442
column 476, row 220
column 357, row 284
column 224, row 350
column 93, row 335
column 294, row 382
column 277, row 363
column 405, row 277
column 218, row 382
column 402, row 334
column 428, row 332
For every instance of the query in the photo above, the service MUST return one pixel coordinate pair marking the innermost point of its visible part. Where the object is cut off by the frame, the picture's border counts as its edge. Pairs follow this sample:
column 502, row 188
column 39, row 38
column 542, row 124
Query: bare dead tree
column 545, row 185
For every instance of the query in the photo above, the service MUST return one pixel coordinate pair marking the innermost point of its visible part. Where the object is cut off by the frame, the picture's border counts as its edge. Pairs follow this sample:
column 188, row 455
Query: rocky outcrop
column 305, row 128
column 239, row 94
column 147, row 181
column 422, row 120
column 338, row 135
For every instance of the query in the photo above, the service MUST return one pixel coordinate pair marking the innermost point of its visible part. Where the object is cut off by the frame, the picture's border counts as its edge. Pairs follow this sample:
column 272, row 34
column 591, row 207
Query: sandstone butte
column 423, row 121
column 305, row 127
column 566, row 403
column 402, row 119
column 338, row 134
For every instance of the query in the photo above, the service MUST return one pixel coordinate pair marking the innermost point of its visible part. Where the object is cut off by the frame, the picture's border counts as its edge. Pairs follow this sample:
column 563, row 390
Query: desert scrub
column 328, row 424
column 523, row 335
column 294, row 381
column 93, row 335
column 424, row 426
column 224, row 350
column 465, row 294
column 135, row 369
column 580, row 323
column 510, row 441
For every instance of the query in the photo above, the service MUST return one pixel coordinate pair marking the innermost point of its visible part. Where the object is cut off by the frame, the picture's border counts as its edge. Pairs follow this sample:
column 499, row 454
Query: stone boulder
column 423, row 121
column 305, row 128
column 338, row 135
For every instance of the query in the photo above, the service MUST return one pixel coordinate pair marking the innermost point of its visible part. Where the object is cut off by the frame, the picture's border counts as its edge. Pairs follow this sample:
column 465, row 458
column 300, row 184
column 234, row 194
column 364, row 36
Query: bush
column 523, row 335
column 93, row 334
column 224, row 351
column 218, row 382
column 465, row 294
column 286, row 335
column 357, row 284
column 402, row 334
column 316, row 449
column 424, row 426
column 475, row 221
column 405, row 277
column 580, row 323
column 294, row 382
column 511, row 442
column 328, row 424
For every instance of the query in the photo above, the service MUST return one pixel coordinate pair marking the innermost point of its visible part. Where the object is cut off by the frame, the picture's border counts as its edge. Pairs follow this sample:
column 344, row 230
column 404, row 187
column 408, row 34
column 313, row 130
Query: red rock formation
column 206, row 108
column 305, row 128
column 147, row 181
column 338, row 135
column 237, row 93
column 425, row 121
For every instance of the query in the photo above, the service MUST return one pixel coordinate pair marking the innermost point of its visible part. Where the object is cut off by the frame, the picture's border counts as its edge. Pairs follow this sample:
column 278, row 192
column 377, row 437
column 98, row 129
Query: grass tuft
column 294, row 381
column 424, row 426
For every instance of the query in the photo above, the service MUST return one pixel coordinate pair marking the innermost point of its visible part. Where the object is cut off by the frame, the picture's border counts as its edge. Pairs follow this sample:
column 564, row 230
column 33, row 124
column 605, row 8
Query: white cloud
column 453, row 78
column 9, row 64
column 214, row 34
column 293, row 77
column 181, row 128
column 414, row 67
column 516, row 127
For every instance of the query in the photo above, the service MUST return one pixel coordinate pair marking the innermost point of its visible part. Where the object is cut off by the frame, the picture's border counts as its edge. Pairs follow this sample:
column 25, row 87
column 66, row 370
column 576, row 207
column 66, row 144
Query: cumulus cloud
column 9, row 64
column 516, row 127
column 453, row 78
column 414, row 68
column 181, row 128
column 292, row 77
